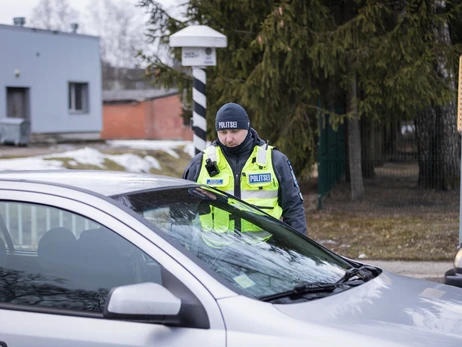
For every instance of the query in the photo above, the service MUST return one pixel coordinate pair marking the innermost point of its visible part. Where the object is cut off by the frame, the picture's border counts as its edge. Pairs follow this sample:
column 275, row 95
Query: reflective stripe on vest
column 259, row 194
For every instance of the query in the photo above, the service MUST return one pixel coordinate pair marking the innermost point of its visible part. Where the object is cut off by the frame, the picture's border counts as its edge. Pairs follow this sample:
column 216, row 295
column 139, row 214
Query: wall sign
column 198, row 56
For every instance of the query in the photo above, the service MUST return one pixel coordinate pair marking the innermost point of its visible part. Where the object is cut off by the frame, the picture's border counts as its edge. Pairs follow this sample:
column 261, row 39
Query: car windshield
column 246, row 248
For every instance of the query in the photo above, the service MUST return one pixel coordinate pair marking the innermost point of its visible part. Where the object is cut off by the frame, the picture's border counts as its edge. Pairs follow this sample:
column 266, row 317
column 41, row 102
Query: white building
column 53, row 80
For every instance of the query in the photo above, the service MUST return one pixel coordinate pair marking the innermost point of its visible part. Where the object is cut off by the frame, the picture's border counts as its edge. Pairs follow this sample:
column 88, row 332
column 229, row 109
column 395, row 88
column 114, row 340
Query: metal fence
column 331, row 157
column 390, row 168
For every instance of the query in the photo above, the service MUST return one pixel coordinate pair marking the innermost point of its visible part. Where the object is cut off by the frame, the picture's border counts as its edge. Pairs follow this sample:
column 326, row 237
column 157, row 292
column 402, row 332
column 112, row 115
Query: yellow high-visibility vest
column 258, row 184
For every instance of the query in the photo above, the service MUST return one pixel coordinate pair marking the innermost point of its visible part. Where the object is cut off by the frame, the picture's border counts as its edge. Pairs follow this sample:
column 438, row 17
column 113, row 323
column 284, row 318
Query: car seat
column 105, row 260
column 56, row 251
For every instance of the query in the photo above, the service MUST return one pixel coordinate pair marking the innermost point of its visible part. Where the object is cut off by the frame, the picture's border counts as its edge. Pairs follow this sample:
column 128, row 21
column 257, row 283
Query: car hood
column 390, row 307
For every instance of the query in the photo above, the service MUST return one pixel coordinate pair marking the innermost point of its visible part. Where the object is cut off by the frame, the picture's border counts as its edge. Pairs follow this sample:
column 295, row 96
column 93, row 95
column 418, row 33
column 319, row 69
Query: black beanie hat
column 232, row 116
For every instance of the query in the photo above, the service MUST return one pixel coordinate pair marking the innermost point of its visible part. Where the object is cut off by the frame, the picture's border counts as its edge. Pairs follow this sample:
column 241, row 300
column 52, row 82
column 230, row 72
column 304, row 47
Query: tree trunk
column 354, row 145
column 449, row 145
column 438, row 146
column 426, row 134
column 449, row 140
column 438, row 140
column 347, row 151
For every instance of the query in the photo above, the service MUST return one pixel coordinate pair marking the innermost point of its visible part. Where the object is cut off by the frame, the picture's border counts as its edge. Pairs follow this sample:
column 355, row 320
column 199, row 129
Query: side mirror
column 453, row 276
column 143, row 301
column 458, row 260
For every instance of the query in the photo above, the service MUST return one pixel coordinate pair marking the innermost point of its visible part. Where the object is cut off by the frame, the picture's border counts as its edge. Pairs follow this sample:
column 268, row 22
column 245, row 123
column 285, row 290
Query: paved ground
column 433, row 271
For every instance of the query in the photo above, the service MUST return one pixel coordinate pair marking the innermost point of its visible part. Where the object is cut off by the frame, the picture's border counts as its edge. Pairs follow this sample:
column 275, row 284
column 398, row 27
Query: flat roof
column 45, row 31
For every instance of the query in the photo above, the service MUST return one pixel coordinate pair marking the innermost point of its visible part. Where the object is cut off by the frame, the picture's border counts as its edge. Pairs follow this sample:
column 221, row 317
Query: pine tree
column 265, row 67
column 286, row 60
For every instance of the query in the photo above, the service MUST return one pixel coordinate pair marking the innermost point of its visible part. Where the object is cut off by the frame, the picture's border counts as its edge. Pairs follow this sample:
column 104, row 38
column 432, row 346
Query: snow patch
column 91, row 156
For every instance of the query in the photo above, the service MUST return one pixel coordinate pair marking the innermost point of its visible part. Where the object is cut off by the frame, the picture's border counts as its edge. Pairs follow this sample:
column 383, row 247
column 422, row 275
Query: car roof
column 108, row 183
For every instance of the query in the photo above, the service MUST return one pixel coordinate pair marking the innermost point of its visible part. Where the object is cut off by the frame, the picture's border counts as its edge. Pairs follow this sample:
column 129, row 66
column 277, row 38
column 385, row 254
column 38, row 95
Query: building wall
column 123, row 121
column 163, row 118
column 47, row 61
column 187, row 134
column 158, row 119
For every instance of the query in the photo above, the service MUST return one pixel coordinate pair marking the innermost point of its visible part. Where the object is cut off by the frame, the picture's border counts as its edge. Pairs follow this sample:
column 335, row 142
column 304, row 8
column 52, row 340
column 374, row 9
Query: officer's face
column 232, row 138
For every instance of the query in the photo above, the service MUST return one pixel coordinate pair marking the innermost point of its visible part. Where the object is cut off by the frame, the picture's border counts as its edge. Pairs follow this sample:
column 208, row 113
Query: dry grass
column 171, row 166
column 395, row 221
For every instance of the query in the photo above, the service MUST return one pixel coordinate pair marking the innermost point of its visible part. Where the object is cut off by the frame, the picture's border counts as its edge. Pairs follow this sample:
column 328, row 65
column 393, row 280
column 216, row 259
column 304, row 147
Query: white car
column 97, row 258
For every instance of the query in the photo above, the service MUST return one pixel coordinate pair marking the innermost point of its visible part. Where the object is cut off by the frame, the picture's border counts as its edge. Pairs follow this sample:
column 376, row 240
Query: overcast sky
column 23, row 8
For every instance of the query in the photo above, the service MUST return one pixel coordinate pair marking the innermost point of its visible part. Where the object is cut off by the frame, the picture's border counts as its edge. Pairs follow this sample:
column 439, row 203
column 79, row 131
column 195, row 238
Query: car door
column 63, row 257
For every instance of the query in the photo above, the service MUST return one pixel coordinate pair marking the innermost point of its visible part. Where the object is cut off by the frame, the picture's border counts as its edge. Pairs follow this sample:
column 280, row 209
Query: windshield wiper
column 364, row 273
column 302, row 289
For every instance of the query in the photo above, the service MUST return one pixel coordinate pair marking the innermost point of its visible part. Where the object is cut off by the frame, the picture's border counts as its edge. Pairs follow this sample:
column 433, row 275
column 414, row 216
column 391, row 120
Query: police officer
column 242, row 164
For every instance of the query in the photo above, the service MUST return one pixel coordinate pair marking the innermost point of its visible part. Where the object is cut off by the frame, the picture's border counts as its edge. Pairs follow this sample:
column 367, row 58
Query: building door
column 17, row 100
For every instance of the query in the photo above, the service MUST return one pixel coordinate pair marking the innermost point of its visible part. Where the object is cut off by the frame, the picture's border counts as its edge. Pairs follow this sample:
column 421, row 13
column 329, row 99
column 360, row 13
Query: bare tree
column 65, row 14
column 54, row 15
column 120, row 26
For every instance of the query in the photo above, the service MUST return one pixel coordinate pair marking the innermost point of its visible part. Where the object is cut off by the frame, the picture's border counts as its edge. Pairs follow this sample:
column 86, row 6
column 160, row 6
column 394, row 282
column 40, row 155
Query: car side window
column 58, row 259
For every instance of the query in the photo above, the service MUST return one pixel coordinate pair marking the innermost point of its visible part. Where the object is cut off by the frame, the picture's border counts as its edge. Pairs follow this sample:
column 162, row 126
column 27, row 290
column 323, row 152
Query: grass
column 395, row 220
column 429, row 237
column 171, row 166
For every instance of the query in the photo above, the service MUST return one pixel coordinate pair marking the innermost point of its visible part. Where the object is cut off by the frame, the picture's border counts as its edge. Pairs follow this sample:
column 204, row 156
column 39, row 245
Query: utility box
column 14, row 131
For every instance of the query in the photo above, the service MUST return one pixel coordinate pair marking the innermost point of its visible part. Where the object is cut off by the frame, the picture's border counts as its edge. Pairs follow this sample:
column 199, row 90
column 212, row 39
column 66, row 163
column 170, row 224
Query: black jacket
column 290, row 198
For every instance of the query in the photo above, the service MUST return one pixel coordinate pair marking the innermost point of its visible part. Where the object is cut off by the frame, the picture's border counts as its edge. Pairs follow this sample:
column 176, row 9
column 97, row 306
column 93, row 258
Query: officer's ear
column 203, row 208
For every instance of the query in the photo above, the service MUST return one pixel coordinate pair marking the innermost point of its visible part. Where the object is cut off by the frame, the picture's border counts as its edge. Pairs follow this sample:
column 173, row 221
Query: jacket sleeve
column 193, row 169
column 290, row 198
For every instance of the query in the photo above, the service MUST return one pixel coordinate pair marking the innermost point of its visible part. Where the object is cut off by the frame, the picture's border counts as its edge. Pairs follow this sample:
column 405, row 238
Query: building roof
column 135, row 95
column 45, row 31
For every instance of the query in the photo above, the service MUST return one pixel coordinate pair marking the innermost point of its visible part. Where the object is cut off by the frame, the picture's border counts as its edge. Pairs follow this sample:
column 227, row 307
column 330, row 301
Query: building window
column 78, row 97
